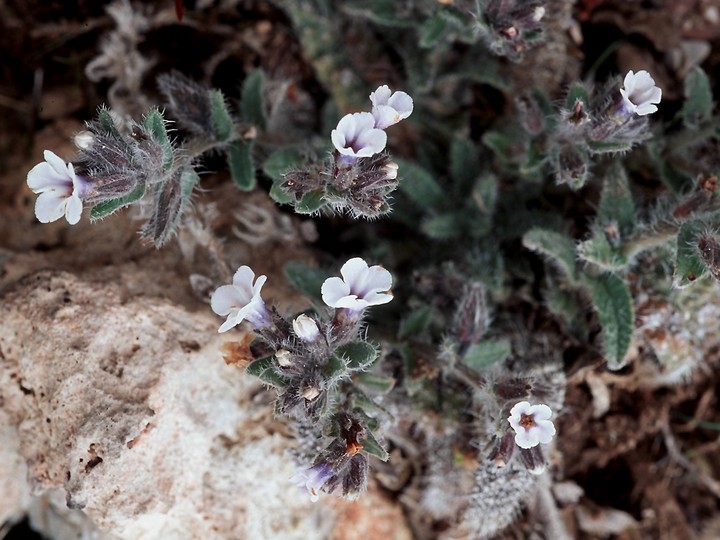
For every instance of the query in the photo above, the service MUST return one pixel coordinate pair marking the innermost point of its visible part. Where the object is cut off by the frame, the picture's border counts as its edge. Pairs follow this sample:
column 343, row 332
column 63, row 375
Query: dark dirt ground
column 655, row 453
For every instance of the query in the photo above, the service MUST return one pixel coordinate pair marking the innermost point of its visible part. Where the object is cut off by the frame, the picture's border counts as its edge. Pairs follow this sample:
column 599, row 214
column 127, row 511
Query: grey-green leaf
column 306, row 279
column 252, row 104
column 558, row 247
column 487, row 353
column 698, row 104
column 613, row 303
column 420, row 186
column 220, row 115
column 155, row 124
column 242, row 168
column 372, row 446
column 279, row 162
column 415, row 324
column 106, row 208
column 310, row 203
column 688, row 265
column 359, row 355
column 616, row 201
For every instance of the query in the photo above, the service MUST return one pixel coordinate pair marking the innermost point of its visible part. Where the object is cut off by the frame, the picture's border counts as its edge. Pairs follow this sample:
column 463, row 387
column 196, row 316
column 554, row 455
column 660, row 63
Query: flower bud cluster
column 592, row 123
column 311, row 360
column 511, row 27
column 341, row 465
column 360, row 176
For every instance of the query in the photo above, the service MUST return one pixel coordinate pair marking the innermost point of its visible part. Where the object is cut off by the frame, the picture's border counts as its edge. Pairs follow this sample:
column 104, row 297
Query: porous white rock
column 125, row 404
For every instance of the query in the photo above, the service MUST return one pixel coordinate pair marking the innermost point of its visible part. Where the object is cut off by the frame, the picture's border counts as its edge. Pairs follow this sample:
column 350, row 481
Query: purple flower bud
column 313, row 479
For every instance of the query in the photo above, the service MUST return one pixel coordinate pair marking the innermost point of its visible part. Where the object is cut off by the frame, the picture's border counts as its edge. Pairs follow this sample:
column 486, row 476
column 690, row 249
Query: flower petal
column 226, row 299
column 526, row 439
column 333, row 289
column 229, row 323
column 43, row 177
column 50, row 206
column 381, row 95
column 353, row 272
column 541, row 412
column 402, row 103
column 55, row 162
column 73, row 210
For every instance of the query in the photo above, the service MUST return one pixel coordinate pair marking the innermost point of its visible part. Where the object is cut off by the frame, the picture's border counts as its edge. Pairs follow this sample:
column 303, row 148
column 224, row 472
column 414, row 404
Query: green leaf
column 264, row 369
column 616, row 201
column 106, row 208
column 373, row 447
column 500, row 144
column 556, row 246
column 608, row 147
column 433, row 31
column 155, row 124
column 599, row 251
column 242, row 168
column 613, row 303
column 306, row 279
column 380, row 12
column 443, row 227
column 484, row 196
column 279, row 195
column 107, row 123
column 698, row 105
column 252, row 102
column 486, row 353
column 380, row 384
column 220, row 115
column 464, row 163
column 416, row 323
column 335, row 368
column 279, row 162
column 688, row 264
column 577, row 91
column 359, row 355
column 420, row 186
column 310, row 203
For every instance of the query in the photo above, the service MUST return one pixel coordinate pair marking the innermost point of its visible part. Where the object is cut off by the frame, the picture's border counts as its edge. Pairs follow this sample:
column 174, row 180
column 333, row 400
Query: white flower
column 356, row 136
column 532, row 424
column 640, row 93
column 388, row 107
column 306, row 328
column 61, row 190
column 359, row 287
column 313, row 479
column 241, row 300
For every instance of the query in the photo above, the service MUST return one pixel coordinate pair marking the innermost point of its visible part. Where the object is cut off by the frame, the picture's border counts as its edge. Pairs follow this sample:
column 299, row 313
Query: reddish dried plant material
column 179, row 9
column 238, row 353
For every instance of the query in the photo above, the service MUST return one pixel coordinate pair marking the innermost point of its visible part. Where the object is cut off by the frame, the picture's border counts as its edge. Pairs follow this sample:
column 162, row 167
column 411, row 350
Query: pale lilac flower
column 390, row 107
column 356, row 136
column 306, row 328
column 359, row 287
column 241, row 300
column 640, row 93
column 313, row 479
column 532, row 424
column 61, row 190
